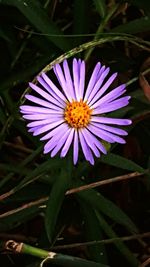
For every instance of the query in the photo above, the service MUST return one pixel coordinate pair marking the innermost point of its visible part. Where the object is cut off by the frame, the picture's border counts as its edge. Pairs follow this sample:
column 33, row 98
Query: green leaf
column 101, row 7
column 23, row 75
column 81, row 22
column 4, row 36
column 70, row 261
column 55, row 201
column 93, row 232
column 33, row 175
column 32, row 10
column 119, row 244
column 12, row 220
column 121, row 162
column 139, row 95
column 144, row 4
column 99, row 202
column 135, row 26
column 2, row 116
column 11, row 168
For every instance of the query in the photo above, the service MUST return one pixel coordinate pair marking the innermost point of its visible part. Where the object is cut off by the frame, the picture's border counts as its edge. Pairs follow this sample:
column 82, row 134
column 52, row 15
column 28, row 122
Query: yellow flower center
column 77, row 114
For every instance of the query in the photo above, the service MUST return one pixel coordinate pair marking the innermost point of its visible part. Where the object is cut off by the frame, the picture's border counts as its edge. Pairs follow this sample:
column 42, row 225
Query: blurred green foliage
column 33, row 204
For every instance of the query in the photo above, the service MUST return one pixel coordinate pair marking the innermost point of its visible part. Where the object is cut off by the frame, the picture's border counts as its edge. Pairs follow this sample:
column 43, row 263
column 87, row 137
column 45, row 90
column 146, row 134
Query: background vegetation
column 34, row 206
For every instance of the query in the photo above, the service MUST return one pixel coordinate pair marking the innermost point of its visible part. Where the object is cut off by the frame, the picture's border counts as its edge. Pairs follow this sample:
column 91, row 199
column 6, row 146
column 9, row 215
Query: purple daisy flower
column 73, row 114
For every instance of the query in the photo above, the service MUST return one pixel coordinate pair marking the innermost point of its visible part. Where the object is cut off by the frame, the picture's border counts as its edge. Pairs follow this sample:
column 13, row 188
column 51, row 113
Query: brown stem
column 103, row 241
column 104, row 182
column 145, row 263
column 71, row 191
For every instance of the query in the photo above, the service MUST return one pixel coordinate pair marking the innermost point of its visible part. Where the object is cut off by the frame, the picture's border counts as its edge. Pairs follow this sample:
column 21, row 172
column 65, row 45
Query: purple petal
column 58, row 71
column 68, row 78
column 26, row 111
column 31, row 130
column 82, row 80
column 54, row 138
column 67, row 144
column 60, row 143
column 43, row 122
column 111, row 120
column 50, row 145
column 110, row 96
column 114, row 137
column 85, row 148
column 90, row 143
column 94, row 140
column 34, row 109
column 103, row 68
column 110, row 129
column 42, row 102
column 49, row 89
column 120, row 103
column 92, row 81
column 48, row 127
column 45, row 95
column 55, row 132
column 40, row 116
column 100, row 133
column 103, row 89
column 76, row 69
column 53, row 87
column 75, row 147
column 79, row 63
column 98, row 85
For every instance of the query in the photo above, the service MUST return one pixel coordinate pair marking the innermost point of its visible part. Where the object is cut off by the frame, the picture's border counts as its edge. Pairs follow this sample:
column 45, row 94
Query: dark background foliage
column 33, row 205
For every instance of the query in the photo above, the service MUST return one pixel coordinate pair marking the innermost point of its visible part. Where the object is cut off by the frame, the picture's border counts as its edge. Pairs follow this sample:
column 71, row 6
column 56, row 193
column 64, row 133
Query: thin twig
column 103, row 241
column 145, row 263
column 104, row 182
column 25, row 206
column 71, row 191
column 137, row 78
column 19, row 147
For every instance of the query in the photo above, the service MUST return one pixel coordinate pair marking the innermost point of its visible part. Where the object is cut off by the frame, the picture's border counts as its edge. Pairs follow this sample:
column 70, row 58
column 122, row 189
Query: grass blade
column 32, row 10
column 119, row 244
column 121, row 162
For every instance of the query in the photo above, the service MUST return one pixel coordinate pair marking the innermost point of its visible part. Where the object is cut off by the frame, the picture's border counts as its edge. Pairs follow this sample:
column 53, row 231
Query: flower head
column 75, row 115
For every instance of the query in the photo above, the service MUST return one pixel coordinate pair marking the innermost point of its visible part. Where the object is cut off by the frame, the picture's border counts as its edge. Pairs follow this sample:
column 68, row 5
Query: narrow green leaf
column 11, row 168
column 54, row 204
column 144, row 4
column 70, row 261
column 4, row 36
column 23, row 75
column 2, row 116
column 119, row 244
column 101, row 7
column 32, row 10
column 135, row 26
column 15, row 219
column 121, row 162
column 139, row 95
column 81, row 21
column 106, row 206
column 32, row 156
column 93, row 232
column 59, row 259
column 40, row 169
column 34, row 175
